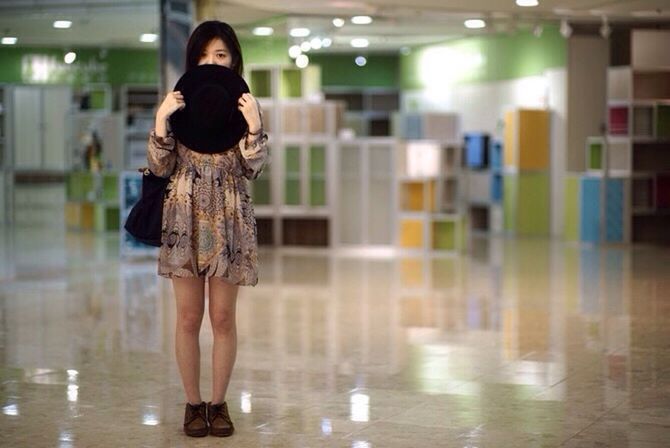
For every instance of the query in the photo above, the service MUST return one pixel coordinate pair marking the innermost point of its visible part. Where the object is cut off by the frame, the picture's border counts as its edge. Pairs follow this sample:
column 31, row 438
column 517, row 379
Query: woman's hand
column 173, row 101
column 248, row 105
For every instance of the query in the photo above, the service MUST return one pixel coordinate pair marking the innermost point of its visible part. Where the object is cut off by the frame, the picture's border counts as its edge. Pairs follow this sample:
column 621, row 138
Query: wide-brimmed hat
column 211, row 121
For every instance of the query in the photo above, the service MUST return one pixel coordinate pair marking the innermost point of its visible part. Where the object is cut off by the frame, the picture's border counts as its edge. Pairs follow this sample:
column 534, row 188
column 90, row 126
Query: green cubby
column 106, row 217
column 663, row 121
column 261, row 188
column 80, row 186
column 317, row 159
column 595, row 156
column 291, row 83
column 526, row 203
column 447, row 233
column 317, row 192
column 261, row 83
column 110, row 187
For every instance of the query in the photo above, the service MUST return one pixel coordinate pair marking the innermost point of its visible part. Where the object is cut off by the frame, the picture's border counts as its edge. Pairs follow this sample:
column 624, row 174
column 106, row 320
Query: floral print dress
column 209, row 228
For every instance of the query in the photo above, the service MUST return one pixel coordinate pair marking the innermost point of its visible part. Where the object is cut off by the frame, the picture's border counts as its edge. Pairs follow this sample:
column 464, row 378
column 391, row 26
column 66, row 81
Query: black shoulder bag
column 145, row 220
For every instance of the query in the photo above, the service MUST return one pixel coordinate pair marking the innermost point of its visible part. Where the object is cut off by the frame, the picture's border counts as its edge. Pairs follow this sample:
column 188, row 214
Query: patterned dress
column 209, row 228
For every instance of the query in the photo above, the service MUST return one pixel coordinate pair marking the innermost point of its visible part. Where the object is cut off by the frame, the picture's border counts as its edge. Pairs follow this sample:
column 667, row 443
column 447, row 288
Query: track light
column 566, row 29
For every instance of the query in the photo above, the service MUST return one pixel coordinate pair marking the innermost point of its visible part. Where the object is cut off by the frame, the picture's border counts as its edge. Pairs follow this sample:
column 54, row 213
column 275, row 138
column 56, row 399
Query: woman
column 209, row 231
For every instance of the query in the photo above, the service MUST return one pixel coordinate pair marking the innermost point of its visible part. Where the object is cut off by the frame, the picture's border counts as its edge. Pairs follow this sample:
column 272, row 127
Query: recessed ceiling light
column 294, row 51
column 62, row 24
column 326, row 42
column 360, row 61
column 263, row 31
column 305, row 46
column 361, row 20
column 527, row 3
column 302, row 61
column 9, row 40
column 70, row 57
column 299, row 32
column 316, row 43
column 148, row 37
column 475, row 24
column 359, row 43
column 338, row 22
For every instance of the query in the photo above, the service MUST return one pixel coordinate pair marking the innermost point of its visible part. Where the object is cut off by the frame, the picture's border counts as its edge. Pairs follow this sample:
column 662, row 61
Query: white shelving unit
column 137, row 103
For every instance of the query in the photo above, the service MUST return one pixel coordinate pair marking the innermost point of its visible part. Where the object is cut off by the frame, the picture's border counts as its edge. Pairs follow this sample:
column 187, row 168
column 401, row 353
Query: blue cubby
column 413, row 127
column 476, row 150
column 590, row 206
column 496, row 158
column 496, row 187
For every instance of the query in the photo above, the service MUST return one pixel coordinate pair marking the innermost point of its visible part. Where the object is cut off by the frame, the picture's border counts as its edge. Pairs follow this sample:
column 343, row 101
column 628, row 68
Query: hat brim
column 233, row 126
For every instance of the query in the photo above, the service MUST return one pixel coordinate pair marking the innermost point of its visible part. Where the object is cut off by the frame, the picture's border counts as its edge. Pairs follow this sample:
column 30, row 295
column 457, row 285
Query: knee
column 189, row 322
column 223, row 322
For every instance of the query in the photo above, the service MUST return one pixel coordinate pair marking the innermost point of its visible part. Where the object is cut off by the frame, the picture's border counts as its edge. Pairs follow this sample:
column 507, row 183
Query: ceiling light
column 70, row 57
column 263, row 31
column 302, row 61
column 537, row 30
column 9, row 40
column 474, row 24
column 338, row 22
column 405, row 51
column 305, row 46
column 299, row 32
column 294, row 51
column 148, row 37
column 361, row 20
column 359, row 43
column 360, row 61
column 326, row 42
column 316, row 43
column 565, row 29
column 527, row 3
column 605, row 29
column 62, row 24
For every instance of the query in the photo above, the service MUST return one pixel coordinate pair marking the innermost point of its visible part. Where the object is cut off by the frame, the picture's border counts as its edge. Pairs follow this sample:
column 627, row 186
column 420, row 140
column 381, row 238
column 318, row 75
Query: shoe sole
column 223, row 433
column 200, row 433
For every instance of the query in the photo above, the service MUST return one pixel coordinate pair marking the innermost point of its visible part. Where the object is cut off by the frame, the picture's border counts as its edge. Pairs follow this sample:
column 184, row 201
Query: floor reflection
column 517, row 343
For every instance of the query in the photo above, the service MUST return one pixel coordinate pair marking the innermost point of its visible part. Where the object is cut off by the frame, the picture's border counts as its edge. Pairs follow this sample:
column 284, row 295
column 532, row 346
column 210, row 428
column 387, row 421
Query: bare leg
column 190, row 293
column 222, row 306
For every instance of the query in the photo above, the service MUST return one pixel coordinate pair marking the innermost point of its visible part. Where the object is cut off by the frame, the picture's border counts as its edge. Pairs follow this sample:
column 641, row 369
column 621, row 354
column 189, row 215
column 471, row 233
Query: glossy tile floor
column 520, row 343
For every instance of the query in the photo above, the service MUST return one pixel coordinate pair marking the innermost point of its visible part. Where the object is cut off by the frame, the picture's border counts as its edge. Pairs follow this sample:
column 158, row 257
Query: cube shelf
column 428, row 125
column 412, row 233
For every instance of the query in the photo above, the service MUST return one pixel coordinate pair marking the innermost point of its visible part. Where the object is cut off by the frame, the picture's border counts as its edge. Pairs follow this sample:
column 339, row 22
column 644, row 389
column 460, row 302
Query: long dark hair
column 207, row 31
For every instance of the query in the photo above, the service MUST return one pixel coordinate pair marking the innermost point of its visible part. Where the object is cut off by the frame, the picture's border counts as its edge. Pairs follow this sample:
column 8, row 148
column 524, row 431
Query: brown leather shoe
column 220, row 424
column 195, row 420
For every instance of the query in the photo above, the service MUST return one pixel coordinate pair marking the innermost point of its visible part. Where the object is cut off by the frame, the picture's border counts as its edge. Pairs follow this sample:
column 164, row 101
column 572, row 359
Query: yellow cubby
column 411, row 233
column 417, row 196
column 80, row 215
column 527, row 139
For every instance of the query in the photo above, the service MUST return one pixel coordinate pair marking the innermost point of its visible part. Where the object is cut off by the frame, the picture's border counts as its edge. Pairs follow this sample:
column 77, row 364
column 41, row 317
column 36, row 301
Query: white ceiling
column 396, row 23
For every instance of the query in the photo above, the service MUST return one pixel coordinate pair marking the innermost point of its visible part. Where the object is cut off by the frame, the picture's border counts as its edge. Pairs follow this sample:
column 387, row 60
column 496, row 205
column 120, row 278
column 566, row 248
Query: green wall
column 381, row 70
column 483, row 58
column 114, row 66
column 265, row 50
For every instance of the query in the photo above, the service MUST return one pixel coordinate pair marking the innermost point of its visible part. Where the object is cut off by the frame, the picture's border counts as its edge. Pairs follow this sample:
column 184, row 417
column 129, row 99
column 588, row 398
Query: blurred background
column 510, row 118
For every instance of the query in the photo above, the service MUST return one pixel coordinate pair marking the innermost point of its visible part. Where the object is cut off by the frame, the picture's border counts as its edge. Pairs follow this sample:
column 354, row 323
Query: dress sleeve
column 253, row 153
column 161, row 154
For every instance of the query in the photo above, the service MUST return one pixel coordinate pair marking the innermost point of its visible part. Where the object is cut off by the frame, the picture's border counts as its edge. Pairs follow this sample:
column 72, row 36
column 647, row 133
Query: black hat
column 210, row 122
